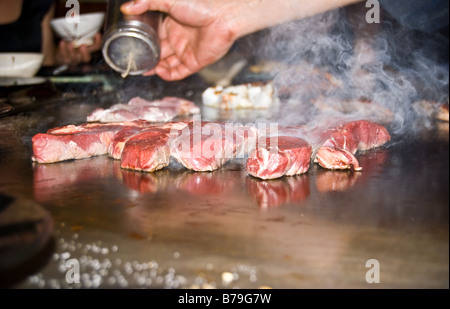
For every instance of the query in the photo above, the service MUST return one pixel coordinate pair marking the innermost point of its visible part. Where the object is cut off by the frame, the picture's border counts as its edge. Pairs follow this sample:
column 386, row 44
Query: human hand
column 197, row 33
column 192, row 36
column 69, row 54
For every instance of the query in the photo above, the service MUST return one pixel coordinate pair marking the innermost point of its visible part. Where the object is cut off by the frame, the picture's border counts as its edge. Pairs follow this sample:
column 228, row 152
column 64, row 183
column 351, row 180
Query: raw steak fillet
column 118, row 142
column 94, row 127
column 335, row 158
column 245, row 138
column 205, row 148
column 280, row 156
column 48, row 148
column 120, row 139
column 209, row 145
column 74, row 142
column 344, row 180
column 137, row 108
column 146, row 151
column 181, row 106
column 341, row 143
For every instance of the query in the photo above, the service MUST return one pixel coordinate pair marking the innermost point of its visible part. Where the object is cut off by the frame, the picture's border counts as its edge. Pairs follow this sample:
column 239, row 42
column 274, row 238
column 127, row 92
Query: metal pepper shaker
column 130, row 42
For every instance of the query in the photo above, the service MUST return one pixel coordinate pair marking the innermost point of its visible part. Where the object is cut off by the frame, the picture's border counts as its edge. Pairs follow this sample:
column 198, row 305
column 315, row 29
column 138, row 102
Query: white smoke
column 321, row 64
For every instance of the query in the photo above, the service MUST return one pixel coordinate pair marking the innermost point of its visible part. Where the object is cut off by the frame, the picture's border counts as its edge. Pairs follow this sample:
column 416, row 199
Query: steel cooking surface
column 177, row 228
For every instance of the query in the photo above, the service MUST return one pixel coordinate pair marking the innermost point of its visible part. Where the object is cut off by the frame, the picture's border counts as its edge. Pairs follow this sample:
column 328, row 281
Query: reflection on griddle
column 290, row 190
column 339, row 181
column 204, row 184
column 199, row 184
column 145, row 182
column 52, row 180
column 49, row 179
column 276, row 192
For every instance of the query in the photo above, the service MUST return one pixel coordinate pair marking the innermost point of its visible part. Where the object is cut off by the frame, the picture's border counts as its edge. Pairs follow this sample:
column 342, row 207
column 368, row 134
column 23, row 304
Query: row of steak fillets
column 207, row 146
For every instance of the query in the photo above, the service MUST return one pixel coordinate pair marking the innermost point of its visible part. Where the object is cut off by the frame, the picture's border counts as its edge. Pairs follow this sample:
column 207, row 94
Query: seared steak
column 137, row 108
column 93, row 139
column 118, row 142
column 341, row 143
column 120, row 139
column 210, row 145
column 146, row 151
column 279, row 156
column 335, row 158
column 206, row 146
column 74, row 142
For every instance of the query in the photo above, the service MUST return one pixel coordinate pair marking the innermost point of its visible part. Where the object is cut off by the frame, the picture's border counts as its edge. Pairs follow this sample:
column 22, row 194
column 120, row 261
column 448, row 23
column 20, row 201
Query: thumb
column 141, row 6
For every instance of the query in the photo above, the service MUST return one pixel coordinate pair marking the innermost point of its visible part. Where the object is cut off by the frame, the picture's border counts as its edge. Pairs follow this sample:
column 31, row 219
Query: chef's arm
column 197, row 33
column 242, row 16
column 255, row 15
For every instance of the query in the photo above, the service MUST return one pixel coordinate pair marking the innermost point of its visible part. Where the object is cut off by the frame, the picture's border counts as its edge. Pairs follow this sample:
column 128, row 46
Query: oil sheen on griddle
column 131, row 45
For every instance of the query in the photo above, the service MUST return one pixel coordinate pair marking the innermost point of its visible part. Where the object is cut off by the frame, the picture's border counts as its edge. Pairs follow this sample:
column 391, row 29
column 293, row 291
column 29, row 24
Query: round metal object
column 131, row 48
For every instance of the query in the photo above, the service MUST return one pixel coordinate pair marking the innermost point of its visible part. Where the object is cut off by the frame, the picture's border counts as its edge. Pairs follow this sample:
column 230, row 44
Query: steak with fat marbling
column 279, row 156
column 209, row 145
column 341, row 143
column 138, row 108
column 75, row 142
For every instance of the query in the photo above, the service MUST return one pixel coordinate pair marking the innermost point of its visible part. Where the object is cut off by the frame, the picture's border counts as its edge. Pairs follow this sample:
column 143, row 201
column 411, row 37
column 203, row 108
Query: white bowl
column 20, row 64
column 79, row 33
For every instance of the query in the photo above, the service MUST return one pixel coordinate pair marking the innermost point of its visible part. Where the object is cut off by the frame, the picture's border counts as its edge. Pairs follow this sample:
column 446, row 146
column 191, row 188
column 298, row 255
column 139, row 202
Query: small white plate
column 21, row 81
column 20, row 64
column 79, row 33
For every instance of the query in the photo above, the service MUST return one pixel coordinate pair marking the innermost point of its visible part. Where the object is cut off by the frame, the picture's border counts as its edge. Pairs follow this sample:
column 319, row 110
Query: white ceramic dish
column 20, row 64
column 21, row 81
column 79, row 33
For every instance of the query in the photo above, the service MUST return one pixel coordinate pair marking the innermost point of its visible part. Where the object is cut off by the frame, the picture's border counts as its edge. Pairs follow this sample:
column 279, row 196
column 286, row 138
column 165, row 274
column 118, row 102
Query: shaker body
column 130, row 42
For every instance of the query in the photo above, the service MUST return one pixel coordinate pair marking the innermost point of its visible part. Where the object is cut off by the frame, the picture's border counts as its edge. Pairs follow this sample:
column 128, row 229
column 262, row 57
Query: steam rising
column 389, row 69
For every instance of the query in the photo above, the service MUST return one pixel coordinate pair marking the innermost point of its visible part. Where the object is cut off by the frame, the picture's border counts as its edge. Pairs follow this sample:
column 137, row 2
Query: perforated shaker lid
column 131, row 51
